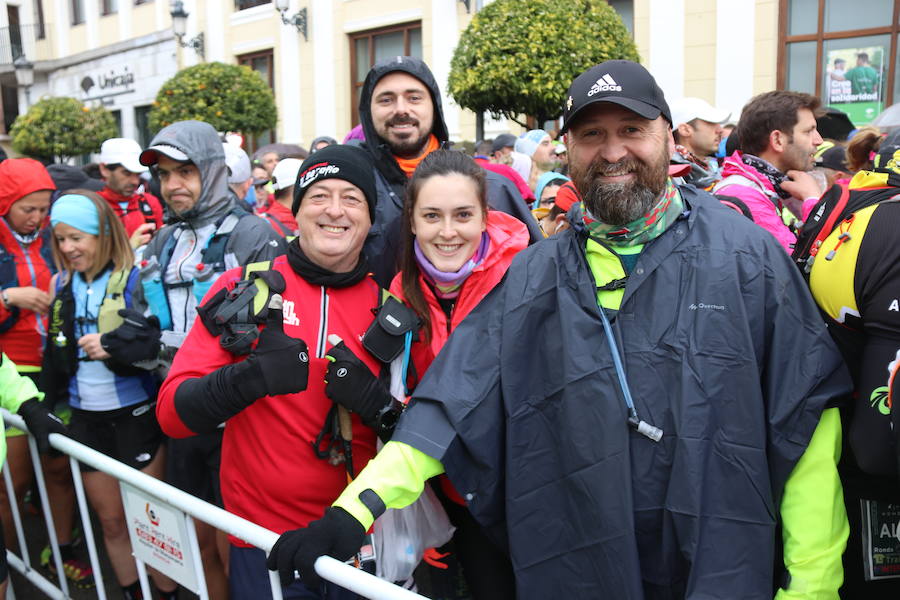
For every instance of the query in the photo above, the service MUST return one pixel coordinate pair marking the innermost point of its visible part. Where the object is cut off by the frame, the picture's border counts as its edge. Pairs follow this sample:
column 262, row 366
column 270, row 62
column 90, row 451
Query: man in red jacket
column 141, row 213
column 271, row 390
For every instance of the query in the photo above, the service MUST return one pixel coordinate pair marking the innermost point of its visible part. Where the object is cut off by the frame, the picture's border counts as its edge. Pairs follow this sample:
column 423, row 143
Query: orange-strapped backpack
column 830, row 209
column 836, row 206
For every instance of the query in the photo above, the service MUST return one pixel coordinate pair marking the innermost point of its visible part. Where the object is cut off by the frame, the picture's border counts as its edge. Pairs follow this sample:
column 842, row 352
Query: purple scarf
column 447, row 285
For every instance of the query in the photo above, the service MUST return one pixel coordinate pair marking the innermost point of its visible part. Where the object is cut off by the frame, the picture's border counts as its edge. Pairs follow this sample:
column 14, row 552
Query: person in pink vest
column 778, row 140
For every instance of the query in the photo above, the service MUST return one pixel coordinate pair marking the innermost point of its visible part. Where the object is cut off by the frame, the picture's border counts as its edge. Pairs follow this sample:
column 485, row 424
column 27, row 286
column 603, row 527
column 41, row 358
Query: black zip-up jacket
column 383, row 243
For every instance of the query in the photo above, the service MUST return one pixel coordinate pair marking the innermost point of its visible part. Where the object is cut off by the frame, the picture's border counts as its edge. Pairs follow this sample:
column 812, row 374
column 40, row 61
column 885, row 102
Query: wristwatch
column 388, row 416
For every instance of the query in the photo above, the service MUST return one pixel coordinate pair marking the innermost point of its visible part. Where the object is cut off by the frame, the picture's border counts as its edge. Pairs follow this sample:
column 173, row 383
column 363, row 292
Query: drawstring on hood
column 201, row 144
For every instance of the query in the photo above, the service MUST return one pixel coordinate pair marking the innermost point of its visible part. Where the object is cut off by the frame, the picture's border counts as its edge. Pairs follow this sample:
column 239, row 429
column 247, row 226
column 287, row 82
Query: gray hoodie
column 178, row 249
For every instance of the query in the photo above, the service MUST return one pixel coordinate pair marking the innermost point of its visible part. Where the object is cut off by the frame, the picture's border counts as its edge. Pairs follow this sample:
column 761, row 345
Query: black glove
column 350, row 383
column 41, row 423
column 337, row 534
column 136, row 339
column 281, row 361
column 278, row 365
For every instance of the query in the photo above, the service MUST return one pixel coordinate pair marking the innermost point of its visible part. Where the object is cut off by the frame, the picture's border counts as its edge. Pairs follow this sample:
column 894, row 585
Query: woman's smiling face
column 448, row 220
column 79, row 248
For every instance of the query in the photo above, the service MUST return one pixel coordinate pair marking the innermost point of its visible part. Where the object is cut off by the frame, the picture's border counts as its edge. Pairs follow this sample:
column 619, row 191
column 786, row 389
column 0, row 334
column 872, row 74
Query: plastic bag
column 402, row 535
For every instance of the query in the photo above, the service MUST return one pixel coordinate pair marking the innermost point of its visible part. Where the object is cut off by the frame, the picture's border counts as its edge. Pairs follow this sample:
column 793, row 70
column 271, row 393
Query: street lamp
column 24, row 76
column 298, row 19
column 179, row 28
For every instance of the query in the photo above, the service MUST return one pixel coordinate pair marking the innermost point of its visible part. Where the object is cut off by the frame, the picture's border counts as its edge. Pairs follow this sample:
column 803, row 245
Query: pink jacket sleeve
column 764, row 213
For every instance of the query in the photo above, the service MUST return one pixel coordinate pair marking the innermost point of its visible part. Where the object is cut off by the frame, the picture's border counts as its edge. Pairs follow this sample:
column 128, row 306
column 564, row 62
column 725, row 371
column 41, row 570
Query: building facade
column 119, row 52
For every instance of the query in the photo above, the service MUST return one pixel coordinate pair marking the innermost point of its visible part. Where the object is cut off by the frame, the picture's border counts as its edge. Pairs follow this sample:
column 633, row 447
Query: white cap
column 285, row 173
column 238, row 163
column 685, row 110
column 122, row 151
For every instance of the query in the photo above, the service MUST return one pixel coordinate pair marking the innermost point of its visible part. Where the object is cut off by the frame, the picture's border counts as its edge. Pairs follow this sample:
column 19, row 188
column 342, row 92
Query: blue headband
column 543, row 181
column 76, row 211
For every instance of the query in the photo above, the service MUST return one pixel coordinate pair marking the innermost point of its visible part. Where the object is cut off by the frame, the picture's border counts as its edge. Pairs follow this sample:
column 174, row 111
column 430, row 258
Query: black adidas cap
column 621, row 82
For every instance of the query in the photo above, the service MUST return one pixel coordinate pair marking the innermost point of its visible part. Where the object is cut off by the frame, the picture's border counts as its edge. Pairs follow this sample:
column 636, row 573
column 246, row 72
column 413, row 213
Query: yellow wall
column 766, row 50
column 700, row 49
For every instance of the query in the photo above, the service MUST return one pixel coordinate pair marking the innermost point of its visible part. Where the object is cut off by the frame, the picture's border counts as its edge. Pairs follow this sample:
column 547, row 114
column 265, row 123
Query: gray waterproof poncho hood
column 201, row 144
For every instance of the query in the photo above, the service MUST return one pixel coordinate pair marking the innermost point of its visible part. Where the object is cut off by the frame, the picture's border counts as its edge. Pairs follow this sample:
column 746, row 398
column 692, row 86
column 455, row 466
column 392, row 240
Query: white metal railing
column 328, row 568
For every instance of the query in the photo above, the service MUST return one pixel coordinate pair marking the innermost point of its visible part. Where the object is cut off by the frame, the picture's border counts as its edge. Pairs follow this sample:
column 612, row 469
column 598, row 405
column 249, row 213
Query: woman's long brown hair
column 439, row 162
column 112, row 241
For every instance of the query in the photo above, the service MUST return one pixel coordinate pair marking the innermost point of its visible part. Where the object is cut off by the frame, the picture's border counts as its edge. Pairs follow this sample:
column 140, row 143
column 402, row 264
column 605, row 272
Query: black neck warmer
column 317, row 275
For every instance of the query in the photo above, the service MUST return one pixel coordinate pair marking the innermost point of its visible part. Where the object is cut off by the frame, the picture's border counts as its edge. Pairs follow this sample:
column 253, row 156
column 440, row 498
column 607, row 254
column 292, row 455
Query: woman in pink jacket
column 455, row 252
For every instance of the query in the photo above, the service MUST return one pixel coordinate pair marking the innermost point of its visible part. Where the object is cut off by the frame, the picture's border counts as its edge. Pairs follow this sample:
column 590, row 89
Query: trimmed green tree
column 228, row 97
column 54, row 129
column 519, row 58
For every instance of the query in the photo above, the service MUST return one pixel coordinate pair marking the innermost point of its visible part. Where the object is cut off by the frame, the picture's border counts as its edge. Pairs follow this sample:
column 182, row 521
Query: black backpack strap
column 234, row 315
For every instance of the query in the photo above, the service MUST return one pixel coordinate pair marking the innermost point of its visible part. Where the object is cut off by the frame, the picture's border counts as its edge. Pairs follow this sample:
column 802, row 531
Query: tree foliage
column 519, row 57
column 54, row 129
column 228, row 97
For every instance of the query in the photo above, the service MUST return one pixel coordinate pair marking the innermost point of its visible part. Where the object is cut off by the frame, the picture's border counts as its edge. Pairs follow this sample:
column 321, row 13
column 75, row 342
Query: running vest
column 61, row 350
column 153, row 271
column 837, row 205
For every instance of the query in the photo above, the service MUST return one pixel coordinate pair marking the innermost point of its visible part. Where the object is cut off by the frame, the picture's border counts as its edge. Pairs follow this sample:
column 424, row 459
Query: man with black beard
column 403, row 121
column 634, row 408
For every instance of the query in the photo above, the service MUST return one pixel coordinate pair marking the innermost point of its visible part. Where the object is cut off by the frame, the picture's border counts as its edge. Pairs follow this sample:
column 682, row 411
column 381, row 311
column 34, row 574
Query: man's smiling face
column 402, row 113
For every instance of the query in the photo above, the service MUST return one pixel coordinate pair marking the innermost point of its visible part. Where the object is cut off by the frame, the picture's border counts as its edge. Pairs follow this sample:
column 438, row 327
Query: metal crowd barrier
column 328, row 568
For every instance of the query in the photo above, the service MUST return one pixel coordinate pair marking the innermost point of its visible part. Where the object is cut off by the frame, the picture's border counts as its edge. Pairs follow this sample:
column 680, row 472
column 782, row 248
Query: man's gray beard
column 619, row 203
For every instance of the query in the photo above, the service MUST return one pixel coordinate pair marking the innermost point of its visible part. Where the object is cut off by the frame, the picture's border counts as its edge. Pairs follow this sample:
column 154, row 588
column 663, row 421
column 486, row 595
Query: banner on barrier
column 159, row 536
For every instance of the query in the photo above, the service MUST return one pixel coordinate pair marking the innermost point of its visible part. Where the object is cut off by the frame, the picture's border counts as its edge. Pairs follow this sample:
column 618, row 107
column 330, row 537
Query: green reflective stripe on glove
column 397, row 474
column 350, row 383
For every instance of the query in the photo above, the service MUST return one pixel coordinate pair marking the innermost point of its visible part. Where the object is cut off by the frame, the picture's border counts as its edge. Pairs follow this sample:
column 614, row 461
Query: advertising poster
column 854, row 82
column 159, row 536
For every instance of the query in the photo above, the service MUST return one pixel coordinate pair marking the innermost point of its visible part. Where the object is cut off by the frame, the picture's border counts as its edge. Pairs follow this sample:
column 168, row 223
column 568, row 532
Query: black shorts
column 192, row 465
column 130, row 435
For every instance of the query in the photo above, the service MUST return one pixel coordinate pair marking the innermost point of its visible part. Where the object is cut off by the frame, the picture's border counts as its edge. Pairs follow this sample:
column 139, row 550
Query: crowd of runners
column 646, row 352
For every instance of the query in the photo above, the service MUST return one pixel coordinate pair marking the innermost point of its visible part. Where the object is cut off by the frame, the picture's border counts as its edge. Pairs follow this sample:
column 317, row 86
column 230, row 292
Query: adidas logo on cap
column 604, row 84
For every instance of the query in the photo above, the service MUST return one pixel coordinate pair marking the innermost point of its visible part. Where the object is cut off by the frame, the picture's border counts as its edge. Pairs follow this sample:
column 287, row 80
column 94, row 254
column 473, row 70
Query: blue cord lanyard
column 642, row 427
column 407, row 345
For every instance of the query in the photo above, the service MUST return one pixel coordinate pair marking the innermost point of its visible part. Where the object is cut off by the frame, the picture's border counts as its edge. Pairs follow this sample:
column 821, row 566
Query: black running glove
column 282, row 362
column 278, row 365
column 41, row 423
column 350, row 383
column 136, row 339
column 337, row 534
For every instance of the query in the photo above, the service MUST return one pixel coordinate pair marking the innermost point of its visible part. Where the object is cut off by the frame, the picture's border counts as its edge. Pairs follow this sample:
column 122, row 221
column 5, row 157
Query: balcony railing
column 18, row 40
